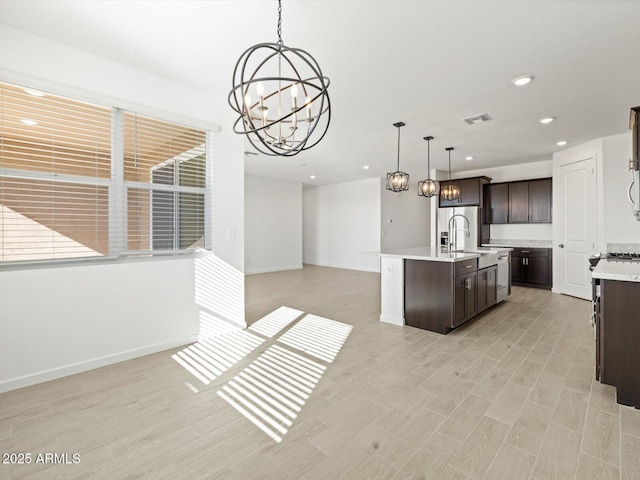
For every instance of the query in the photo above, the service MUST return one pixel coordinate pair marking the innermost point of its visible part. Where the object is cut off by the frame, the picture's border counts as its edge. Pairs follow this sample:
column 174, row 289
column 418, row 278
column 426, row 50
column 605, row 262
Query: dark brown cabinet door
column 483, row 281
column 471, row 298
column 496, row 205
column 492, row 286
column 487, row 288
column 470, row 192
column 517, row 269
column 519, row 202
column 538, row 271
column 460, row 300
column 466, row 304
column 540, row 201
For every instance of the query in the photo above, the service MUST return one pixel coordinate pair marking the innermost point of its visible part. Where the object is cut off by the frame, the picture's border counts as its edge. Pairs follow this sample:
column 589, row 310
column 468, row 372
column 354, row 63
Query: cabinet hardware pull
column 468, row 266
column 524, row 251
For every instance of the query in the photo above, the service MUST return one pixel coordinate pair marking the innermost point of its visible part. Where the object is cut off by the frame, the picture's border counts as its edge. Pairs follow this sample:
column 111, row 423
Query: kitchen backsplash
column 623, row 247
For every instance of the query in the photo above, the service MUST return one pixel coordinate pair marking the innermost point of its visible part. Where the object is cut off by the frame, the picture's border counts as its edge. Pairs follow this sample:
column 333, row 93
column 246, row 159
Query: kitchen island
column 438, row 290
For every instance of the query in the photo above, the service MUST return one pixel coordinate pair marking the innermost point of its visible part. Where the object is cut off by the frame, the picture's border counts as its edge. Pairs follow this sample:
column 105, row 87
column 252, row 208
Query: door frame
column 591, row 150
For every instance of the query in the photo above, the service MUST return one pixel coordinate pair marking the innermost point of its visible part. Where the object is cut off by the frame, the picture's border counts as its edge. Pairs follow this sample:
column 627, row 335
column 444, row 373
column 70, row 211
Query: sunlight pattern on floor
column 317, row 336
column 273, row 323
column 210, row 358
column 272, row 389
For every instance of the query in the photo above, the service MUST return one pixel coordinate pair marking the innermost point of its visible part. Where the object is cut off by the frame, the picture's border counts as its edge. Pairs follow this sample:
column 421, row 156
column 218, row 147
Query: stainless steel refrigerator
column 464, row 233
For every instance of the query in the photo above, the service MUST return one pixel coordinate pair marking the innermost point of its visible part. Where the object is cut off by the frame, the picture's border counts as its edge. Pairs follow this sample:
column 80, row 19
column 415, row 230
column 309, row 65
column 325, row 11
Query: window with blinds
column 64, row 193
column 165, row 181
column 55, row 171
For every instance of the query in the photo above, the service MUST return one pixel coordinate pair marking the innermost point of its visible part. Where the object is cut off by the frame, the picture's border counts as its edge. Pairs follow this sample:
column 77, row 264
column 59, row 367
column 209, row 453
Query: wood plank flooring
column 511, row 395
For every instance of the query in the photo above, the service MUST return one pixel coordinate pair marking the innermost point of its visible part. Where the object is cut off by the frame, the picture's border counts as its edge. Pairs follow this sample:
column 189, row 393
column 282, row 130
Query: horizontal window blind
column 81, row 180
column 165, row 180
column 55, row 172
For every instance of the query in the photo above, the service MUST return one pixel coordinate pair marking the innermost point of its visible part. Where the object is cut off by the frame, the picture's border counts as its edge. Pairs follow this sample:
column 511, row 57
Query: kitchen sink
column 486, row 259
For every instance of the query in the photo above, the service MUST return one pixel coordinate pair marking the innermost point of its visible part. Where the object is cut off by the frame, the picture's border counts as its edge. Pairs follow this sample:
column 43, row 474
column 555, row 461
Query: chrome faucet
column 452, row 231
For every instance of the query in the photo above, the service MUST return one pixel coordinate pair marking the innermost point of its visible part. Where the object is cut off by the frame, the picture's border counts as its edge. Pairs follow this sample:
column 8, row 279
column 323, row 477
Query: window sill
column 124, row 258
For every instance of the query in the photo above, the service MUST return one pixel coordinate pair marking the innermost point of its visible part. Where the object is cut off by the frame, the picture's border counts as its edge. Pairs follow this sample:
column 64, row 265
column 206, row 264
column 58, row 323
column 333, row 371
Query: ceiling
column 427, row 63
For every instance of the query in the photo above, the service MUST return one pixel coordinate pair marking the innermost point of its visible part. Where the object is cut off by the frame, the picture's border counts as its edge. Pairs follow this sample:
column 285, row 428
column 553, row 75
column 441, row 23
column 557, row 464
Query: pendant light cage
column 398, row 181
column 281, row 97
column 428, row 187
column 450, row 191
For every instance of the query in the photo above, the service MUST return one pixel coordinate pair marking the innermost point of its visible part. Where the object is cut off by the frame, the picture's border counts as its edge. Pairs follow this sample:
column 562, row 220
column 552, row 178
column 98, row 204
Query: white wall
column 62, row 320
column 620, row 225
column 512, row 173
column 405, row 218
column 273, row 224
column 341, row 225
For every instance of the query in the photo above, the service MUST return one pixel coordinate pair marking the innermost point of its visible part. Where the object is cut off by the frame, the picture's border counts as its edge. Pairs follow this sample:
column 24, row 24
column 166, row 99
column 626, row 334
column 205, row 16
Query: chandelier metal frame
column 428, row 187
column 398, row 181
column 450, row 191
column 271, row 127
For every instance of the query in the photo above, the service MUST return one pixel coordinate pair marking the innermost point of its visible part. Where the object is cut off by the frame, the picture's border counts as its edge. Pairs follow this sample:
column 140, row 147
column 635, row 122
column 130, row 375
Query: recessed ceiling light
column 469, row 157
column 366, row 167
column 561, row 143
column 28, row 121
column 35, row 93
column 312, row 176
column 545, row 120
column 522, row 80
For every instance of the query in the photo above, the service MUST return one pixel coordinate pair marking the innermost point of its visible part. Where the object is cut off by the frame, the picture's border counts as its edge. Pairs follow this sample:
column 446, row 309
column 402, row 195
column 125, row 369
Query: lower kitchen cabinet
column 465, row 296
column 486, row 288
column 617, row 339
column 531, row 267
column 440, row 296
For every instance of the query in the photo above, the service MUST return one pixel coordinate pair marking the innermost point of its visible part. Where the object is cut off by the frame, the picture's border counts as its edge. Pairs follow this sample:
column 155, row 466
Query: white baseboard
column 269, row 270
column 53, row 374
column 392, row 320
column 344, row 267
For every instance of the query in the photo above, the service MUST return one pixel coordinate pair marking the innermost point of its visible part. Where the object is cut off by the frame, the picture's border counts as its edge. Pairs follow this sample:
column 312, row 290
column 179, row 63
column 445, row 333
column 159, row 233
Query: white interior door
column 575, row 229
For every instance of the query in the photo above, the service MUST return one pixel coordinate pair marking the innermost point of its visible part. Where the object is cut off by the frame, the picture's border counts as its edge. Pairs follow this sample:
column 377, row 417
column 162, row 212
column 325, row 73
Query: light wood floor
column 509, row 396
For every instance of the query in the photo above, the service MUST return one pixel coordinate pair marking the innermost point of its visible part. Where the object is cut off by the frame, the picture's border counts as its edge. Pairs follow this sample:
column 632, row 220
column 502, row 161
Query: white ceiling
column 427, row 63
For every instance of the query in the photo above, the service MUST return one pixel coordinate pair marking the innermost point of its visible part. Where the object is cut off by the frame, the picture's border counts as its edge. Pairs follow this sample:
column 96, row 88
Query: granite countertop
column 503, row 242
column 436, row 254
column 617, row 270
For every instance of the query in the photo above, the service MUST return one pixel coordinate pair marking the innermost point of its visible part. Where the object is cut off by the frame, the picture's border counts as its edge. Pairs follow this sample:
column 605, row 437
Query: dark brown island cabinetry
column 527, row 201
column 471, row 192
column 531, row 267
column 440, row 296
column 617, row 339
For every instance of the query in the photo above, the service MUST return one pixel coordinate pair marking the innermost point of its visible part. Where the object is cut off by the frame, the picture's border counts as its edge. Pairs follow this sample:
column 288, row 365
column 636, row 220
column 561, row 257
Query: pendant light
column 398, row 181
column 450, row 191
column 268, row 81
column 428, row 187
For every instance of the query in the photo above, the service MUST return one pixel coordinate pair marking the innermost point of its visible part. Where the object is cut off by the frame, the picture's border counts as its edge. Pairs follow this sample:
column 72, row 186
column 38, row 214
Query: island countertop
column 435, row 254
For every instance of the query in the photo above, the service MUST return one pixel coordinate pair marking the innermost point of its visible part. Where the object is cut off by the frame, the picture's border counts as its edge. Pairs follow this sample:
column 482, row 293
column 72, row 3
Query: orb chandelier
column 428, row 187
column 281, row 97
column 398, row 181
column 450, row 191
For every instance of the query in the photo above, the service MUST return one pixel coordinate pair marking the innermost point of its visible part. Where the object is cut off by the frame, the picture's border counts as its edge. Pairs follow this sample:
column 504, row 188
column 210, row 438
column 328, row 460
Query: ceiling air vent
column 475, row 119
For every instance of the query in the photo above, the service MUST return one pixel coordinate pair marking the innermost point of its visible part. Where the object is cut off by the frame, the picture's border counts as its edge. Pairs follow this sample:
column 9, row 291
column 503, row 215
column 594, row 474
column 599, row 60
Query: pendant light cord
column 398, row 148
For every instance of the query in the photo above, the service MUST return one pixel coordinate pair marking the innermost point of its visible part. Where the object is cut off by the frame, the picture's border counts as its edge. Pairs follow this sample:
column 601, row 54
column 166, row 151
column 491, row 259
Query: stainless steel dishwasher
column 503, row 277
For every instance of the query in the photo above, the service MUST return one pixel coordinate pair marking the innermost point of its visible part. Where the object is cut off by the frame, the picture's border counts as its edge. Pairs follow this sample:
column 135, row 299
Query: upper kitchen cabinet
column 471, row 192
column 540, row 201
column 526, row 201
